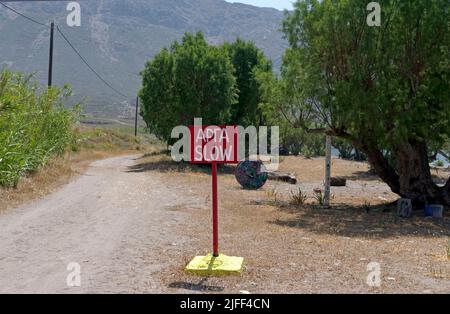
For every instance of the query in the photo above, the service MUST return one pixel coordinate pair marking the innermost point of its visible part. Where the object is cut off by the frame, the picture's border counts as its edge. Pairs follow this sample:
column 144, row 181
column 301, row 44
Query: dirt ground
column 51, row 177
column 94, row 143
column 110, row 221
column 133, row 223
column 306, row 249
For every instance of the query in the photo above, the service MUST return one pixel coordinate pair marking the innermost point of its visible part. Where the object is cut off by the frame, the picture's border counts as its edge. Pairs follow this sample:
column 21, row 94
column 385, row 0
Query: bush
column 34, row 126
column 298, row 198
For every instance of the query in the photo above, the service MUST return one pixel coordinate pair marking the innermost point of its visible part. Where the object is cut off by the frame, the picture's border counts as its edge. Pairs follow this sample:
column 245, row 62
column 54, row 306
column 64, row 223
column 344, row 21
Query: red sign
column 214, row 144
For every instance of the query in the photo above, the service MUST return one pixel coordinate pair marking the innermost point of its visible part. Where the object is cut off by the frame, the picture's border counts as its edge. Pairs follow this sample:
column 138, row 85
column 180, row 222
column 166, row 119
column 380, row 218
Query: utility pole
column 50, row 58
column 136, row 117
column 328, row 173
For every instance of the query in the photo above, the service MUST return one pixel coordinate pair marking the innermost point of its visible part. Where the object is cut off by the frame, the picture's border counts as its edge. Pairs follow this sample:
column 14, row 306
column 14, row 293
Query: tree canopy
column 191, row 79
column 248, row 60
column 385, row 89
column 194, row 79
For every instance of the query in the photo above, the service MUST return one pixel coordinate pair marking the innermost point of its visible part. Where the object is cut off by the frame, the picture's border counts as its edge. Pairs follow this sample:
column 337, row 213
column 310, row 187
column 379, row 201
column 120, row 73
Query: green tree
column 247, row 60
column 190, row 80
column 384, row 89
column 278, row 105
column 159, row 100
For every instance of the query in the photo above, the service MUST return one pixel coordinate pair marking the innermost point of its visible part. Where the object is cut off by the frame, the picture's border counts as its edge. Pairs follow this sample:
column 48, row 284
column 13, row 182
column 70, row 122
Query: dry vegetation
column 93, row 143
column 295, row 248
column 290, row 244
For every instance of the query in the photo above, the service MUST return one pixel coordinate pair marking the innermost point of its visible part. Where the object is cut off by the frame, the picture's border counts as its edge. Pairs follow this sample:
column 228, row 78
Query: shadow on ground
column 163, row 163
column 201, row 286
column 362, row 176
column 364, row 221
column 372, row 176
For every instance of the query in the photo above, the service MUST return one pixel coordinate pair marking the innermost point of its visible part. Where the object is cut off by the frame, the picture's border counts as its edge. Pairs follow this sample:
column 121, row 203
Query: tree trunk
column 414, row 172
column 381, row 166
column 412, row 176
column 445, row 192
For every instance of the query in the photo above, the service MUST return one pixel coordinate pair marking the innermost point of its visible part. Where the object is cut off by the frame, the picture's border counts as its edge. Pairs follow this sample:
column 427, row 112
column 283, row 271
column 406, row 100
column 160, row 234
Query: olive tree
column 384, row 89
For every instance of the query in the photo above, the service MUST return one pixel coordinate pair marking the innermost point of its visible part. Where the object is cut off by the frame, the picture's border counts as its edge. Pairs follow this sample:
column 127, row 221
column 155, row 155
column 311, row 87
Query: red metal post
column 215, row 211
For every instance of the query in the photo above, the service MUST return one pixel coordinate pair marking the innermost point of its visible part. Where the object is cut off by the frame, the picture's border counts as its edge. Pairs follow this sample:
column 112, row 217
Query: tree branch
column 444, row 154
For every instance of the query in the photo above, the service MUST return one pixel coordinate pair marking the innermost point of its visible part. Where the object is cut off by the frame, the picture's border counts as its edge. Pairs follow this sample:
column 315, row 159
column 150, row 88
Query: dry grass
column 37, row 184
column 304, row 248
column 313, row 169
column 94, row 144
column 297, row 248
column 298, row 198
column 448, row 249
column 273, row 196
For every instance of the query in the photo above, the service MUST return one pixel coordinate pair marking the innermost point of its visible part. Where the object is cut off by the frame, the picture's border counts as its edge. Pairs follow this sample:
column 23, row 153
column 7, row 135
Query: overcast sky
column 278, row 4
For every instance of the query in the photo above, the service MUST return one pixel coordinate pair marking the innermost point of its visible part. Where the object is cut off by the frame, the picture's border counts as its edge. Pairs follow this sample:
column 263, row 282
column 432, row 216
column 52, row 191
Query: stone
column 404, row 208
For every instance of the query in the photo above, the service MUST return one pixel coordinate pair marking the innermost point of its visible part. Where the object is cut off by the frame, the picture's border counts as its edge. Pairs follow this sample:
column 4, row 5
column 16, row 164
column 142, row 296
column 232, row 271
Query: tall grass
column 34, row 126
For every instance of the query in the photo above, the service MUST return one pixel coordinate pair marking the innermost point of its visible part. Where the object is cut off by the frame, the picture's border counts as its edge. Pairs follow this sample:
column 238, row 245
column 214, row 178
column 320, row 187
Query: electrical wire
column 89, row 66
column 71, row 46
column 23, row 15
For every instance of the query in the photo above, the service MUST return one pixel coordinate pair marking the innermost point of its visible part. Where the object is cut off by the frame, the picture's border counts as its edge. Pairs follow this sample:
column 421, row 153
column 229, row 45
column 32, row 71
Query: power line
column 71, row 45
column 23, row 15
column 89, row 66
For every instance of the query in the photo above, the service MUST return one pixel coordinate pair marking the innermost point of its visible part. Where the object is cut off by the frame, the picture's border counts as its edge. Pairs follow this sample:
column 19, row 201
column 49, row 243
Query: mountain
column 117, row 37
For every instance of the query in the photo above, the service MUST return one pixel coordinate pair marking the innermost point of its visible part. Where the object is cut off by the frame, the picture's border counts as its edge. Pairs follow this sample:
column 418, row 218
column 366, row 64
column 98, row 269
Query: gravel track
column 112, row 222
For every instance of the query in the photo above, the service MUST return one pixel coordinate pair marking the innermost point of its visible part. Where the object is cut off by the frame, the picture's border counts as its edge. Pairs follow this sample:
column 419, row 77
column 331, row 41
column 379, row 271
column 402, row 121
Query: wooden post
column 50, row 56
column 327, row 195
column 136, row 117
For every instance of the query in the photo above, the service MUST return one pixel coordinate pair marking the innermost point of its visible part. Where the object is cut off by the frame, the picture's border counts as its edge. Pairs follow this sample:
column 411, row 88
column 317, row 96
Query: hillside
column 117, row 37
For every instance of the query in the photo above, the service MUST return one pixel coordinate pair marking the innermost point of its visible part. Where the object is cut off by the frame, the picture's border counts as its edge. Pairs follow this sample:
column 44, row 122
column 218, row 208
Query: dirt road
column 111, row 222
column 132, row 223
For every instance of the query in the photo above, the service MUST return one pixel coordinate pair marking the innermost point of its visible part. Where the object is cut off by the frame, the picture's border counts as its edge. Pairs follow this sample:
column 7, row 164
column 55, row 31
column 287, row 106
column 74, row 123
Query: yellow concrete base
column 215, row 266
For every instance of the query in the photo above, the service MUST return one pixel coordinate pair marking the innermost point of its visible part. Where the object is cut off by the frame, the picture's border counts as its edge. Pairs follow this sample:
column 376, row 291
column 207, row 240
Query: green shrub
column 34, row 126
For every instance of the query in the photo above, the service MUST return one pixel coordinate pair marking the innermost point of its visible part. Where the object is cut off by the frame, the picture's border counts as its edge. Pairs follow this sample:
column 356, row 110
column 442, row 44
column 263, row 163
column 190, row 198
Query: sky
column 278, row 4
